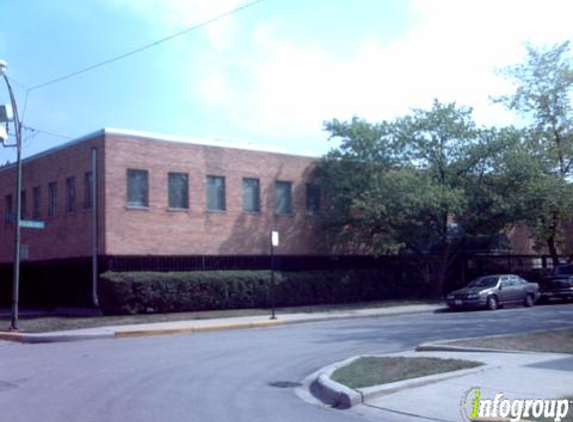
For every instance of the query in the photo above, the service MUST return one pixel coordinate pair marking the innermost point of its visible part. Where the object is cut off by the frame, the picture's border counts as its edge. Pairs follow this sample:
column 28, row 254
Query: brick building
column 158, row 197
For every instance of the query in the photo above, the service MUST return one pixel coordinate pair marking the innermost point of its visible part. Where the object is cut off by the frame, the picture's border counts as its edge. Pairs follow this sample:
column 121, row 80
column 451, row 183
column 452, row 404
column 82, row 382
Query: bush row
column 146, row 292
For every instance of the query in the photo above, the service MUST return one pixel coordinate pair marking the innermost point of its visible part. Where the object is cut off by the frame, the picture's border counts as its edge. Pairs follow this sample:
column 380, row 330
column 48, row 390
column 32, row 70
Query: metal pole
column 94, row 184
column 273, row 313
column 16, row 273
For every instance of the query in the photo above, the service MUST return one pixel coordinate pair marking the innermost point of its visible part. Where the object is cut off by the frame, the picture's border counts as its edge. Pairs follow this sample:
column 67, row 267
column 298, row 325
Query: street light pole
column 17, row 194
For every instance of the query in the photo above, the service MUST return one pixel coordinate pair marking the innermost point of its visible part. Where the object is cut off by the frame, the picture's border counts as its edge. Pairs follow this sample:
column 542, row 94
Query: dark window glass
column 37, row 202
column 312, row 199
column 178, row 190
column 251, row 194
column 70, row 194
column 215, row 193
column 23, row 205
column 8, row 210
column 283, row 197
column 88, row 199
column 137, row 188
column 53, row 199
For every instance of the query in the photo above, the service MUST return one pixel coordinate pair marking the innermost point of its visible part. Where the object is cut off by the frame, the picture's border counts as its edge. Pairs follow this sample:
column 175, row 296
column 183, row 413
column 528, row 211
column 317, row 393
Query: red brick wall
column 158, row 231
column 67, row 234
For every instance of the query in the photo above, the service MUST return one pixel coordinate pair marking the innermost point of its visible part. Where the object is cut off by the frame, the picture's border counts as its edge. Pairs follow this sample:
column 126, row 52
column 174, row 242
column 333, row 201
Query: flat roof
column 157, row 137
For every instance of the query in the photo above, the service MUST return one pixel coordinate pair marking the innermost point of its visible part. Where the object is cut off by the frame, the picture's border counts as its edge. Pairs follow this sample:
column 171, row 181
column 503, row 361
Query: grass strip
column 556, row 341
column 369, row 371
column 60, row 323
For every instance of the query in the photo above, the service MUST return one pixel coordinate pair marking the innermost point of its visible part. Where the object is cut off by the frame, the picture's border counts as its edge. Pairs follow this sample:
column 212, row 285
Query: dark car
column 559, row 284
column 492, row 291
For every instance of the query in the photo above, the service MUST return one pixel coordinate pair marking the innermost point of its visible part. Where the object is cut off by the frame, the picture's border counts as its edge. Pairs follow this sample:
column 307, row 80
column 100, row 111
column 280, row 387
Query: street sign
column 274, row 238
column 32, row 224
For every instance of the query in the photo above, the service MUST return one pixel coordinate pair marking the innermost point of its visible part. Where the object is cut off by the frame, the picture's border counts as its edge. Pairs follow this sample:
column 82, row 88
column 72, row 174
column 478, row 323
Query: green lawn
column 556, row 341
column 57, row 323
column 369, row 371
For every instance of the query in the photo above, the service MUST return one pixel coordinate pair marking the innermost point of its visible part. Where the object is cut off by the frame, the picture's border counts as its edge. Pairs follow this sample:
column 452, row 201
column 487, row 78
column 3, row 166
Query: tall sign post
column 274, row 244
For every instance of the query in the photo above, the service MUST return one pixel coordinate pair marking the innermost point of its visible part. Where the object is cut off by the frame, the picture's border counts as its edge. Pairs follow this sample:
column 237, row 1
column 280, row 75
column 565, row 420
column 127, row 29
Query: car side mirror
column 501, row 287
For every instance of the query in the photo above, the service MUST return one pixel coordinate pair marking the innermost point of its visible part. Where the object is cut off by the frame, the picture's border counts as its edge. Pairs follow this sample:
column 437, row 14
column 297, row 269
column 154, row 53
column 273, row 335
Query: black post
column 17, row 194
column 273, row 313
column 94, row 199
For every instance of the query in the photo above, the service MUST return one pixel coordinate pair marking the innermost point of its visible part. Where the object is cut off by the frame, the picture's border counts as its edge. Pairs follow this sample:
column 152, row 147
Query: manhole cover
column 285, row 384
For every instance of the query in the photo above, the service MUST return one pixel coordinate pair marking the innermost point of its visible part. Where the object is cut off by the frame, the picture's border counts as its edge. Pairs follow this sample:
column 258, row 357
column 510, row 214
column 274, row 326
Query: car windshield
column 484, row 282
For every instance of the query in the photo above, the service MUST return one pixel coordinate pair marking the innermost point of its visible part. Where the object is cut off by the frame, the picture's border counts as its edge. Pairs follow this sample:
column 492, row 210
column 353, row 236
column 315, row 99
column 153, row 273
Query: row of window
column 52, row 210
column 178, row 193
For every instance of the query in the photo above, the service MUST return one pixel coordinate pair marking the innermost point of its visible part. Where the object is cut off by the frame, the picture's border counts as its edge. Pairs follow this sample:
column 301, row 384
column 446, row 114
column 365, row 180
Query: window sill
column 216, row 211
column 137, row 208
column 177, row 209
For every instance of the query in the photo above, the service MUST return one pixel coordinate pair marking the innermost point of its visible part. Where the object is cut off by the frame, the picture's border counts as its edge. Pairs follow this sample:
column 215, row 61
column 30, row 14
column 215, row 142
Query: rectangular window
column 37, row 202
column 312, row 199
column 251, row 194
column 137, row 188
column 88, row 200
column 71, row 194
column 8, row 210
column 215, row 193
column 283, row 198
column 23, row 205
column 53, row 199
column 178, row 191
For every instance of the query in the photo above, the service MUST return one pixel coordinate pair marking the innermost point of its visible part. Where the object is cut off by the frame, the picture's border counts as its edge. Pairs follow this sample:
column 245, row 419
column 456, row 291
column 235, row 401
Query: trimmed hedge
column 147, row 292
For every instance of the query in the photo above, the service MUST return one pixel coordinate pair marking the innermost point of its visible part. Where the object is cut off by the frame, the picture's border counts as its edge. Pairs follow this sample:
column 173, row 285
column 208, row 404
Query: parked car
column 492, row 291
column 559, row 284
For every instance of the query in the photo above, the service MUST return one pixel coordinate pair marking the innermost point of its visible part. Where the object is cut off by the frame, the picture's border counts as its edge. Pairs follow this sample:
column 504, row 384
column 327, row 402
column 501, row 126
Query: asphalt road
column 239, row 376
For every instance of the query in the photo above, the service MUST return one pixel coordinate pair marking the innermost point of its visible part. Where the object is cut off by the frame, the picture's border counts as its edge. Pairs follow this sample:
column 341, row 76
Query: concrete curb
column 195, row 329
column 33, row 338
column 118, row 332
column 333, row 393
column 343, row 397
column 444, row 346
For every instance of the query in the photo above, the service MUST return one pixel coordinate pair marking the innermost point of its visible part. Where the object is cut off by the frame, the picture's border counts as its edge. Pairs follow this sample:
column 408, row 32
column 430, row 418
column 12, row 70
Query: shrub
column 144, row 292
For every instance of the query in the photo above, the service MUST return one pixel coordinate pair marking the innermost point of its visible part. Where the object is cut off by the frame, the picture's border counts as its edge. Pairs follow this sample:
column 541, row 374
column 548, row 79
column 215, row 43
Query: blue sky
column 268, row 76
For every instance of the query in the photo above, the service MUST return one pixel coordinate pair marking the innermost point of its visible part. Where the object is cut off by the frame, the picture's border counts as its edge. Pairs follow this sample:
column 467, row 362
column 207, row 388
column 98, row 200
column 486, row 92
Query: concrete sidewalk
column 515, row 375
column 194, row 326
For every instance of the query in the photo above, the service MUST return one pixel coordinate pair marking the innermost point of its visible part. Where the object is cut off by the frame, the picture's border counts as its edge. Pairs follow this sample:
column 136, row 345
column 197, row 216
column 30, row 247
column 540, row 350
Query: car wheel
column 492, row 303
column 528, row 301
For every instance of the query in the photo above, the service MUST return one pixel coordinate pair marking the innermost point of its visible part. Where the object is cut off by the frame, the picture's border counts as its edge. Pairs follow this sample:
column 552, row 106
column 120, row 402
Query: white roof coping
column 159, row 137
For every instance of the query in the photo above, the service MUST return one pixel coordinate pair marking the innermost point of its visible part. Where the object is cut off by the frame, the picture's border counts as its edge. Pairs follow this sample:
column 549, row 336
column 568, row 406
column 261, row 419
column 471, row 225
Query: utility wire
column 145, row 47
column 45, row 132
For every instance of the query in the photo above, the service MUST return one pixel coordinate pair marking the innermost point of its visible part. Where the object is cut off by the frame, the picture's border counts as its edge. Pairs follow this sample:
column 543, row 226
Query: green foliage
column 543, row 93
column 427, row 182
column 144, row 292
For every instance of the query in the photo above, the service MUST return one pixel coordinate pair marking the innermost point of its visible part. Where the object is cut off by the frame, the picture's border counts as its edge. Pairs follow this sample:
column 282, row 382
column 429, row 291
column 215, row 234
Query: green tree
column 427, row 182
column 544, row 83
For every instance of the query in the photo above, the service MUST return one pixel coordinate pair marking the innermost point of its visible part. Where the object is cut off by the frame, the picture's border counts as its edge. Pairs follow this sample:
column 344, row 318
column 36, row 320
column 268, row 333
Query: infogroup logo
column 474, row 407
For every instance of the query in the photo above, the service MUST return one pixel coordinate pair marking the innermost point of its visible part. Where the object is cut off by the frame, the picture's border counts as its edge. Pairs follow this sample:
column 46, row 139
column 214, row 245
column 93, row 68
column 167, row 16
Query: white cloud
column 171, row 16
column 271, row 86
column 452, row 55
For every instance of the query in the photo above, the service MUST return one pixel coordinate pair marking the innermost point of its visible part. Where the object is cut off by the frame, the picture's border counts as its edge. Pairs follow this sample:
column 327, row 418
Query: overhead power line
column 145, row 47
column 45, row 132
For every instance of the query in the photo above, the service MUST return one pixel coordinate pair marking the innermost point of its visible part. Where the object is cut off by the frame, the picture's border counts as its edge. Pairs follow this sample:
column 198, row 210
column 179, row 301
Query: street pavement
column 252, row 374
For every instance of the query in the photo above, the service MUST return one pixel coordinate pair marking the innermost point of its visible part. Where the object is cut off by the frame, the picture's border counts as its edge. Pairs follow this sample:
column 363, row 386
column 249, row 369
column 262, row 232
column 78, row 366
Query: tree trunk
column 551, row 239
column 553, row 250
column 444, row 264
